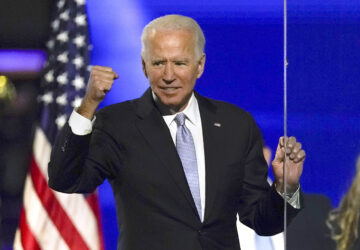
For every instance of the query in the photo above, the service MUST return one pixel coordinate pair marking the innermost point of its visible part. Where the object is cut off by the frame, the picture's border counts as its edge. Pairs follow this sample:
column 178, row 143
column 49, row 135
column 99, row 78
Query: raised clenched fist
column 100, row 82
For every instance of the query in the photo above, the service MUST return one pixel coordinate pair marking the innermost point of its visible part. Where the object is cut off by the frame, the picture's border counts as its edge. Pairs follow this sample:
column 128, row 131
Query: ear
column 201, row 66
column 144, row 67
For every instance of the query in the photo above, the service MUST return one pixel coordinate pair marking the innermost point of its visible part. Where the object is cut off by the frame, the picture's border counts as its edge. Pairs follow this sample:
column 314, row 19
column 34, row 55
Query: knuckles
column 100, row 82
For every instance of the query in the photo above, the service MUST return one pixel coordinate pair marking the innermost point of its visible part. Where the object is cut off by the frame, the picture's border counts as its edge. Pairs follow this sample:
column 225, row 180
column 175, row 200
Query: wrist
column 87, row 108
column 290, row 189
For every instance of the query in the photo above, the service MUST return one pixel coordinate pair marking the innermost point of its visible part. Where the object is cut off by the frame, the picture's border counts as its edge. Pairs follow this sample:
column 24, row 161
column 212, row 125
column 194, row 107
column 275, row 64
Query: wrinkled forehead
column 153, row 32
column 171, row 41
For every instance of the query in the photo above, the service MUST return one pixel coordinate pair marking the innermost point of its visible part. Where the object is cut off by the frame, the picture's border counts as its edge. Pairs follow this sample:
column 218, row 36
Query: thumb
column 280, row 153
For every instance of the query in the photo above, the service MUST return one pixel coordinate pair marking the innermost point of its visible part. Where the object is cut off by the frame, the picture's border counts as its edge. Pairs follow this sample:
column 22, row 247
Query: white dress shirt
column 247, row 238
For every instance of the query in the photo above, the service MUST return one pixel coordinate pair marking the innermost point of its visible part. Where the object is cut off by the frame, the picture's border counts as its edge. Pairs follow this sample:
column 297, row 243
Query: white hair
column 174, row 22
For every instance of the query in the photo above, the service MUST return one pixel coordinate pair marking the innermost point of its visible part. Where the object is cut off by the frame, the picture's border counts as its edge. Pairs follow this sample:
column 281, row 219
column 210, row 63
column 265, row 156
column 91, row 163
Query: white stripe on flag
column 17, row 240
column 82, row 217
column 48, row 236
column 74, row 205
column 42, row 151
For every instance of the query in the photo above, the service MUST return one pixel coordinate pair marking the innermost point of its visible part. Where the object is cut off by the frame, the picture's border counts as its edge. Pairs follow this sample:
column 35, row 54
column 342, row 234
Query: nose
column 168, row 75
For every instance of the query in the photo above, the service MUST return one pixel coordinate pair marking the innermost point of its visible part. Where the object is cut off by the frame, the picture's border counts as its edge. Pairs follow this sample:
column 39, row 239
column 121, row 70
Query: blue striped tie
column 186, row 150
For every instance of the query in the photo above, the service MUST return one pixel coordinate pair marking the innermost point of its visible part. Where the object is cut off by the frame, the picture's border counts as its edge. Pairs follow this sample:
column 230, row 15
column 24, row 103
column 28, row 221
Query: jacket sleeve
column 78, row 164
column 261, row 207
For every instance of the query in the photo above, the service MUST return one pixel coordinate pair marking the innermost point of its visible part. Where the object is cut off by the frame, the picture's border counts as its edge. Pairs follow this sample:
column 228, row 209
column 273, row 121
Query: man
column 181, row 165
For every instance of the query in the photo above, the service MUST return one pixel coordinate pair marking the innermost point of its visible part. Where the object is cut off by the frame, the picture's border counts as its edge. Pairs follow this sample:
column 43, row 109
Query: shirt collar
column 191, row 111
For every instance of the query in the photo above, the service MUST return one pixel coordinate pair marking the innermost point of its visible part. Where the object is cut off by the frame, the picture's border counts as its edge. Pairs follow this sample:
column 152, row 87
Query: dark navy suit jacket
column 132, row 147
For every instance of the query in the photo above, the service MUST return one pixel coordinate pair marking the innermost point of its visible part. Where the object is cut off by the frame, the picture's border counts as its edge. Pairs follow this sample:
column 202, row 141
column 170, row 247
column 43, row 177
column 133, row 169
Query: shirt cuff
column 293, row 199
column 80, row 125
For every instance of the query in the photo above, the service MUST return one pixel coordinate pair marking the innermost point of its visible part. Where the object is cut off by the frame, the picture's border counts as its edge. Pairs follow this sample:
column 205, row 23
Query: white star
column 60, row 4
column 65, row 15
column 79, row 41
column 80, row 20
column 80, row 2
column 50, row 44
column 63, row 57
column 77, row 101
column 49, row 76
column 63, row 36
column 60, row 121
column 62, row 79
column 61, row 100
column 78, row 82
column 79, row 62
column 55, row 24
column 47, row 98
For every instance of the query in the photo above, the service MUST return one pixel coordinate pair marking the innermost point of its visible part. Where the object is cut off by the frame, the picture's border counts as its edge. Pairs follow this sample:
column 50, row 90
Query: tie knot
column 180, row 119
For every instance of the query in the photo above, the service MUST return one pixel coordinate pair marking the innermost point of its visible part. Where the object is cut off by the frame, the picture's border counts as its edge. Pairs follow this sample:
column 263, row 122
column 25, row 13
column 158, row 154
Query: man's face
column 172, row 67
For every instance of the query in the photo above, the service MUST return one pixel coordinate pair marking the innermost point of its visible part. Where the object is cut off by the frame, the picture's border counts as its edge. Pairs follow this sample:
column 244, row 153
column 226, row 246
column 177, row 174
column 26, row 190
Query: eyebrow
column 181, row 59
column 171, row 60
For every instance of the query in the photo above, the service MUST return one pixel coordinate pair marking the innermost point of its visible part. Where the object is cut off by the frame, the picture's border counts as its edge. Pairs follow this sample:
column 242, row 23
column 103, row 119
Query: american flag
column 51, row 220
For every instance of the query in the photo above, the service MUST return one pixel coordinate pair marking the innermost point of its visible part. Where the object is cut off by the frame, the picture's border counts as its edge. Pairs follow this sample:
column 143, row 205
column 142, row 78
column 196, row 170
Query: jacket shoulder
column 116, row 115
column 228, row 110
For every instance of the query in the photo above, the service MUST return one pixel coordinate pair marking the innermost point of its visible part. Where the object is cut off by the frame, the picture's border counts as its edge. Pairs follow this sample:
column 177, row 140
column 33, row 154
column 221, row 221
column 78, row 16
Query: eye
column 180, row 63
column 157, row 63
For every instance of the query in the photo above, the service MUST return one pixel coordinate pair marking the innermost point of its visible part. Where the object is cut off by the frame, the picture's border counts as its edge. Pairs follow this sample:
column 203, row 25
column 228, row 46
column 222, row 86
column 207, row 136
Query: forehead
column 171, row 41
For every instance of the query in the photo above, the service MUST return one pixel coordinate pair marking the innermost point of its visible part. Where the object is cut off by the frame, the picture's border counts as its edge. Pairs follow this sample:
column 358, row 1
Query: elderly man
column 181, row 166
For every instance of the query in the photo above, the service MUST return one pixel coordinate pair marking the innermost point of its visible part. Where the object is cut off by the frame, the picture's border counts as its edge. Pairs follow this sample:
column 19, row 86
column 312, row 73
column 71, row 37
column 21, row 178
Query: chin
column 171, row 104
column 174, row 105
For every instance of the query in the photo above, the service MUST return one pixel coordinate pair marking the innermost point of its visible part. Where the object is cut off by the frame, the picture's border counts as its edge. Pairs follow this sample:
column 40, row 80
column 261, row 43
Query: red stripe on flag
column 28, row 240
column 55, row 211
column 93, row 202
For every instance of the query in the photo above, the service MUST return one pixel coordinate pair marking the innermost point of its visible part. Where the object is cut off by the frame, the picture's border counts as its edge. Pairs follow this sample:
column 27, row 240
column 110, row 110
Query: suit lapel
column 212, row 138
column 153, row 127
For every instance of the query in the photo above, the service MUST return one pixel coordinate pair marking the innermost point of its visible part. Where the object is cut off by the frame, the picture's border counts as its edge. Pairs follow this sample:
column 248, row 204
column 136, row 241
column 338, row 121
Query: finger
column 281, row 141
column 297, row 148
column 101, row 85
column 300, row 156
column 102, row 72
column 109, row 76
column 102, row 68
column 291, row 142
column 105, row 71
column 105, row 77
column 279, row 154
column 105, row 85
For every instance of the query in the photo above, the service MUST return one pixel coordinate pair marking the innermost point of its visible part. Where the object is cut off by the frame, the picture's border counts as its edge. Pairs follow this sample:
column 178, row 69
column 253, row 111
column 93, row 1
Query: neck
column 166, row 109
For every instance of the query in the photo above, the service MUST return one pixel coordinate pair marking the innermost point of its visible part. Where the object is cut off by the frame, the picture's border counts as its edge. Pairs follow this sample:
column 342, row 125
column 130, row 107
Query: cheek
column 189, row 78
column 154, row 76
column 185, row 74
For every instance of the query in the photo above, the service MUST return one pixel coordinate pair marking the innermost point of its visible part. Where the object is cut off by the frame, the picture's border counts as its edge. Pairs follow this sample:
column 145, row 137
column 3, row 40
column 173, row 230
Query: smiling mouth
column 169, row 89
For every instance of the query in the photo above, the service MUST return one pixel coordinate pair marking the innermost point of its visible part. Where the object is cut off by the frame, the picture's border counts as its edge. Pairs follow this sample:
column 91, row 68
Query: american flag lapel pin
column 217, row 124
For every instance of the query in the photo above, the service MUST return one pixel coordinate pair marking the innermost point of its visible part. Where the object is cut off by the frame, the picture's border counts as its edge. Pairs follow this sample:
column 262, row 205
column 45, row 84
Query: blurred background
column 244, row 66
